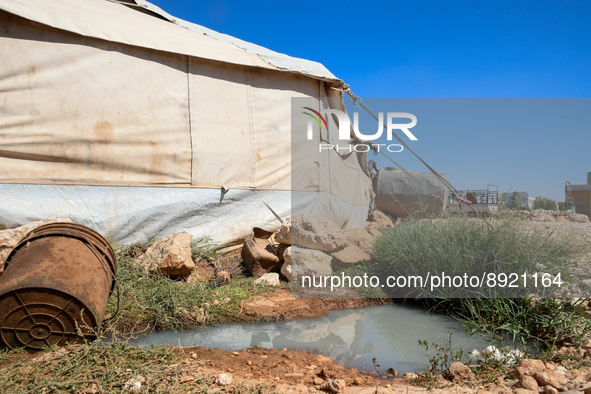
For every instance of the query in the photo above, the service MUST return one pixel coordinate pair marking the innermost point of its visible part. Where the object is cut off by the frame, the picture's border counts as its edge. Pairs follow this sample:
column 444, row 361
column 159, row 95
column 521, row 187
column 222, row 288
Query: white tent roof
column 113, row 21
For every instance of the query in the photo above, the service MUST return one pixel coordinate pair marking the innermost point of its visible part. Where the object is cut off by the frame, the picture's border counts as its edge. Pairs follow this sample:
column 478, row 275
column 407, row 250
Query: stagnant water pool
column 352, row 338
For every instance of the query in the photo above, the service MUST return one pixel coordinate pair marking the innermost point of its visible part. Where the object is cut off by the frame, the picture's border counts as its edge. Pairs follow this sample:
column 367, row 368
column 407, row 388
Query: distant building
column 526, row 200
column 580, row 196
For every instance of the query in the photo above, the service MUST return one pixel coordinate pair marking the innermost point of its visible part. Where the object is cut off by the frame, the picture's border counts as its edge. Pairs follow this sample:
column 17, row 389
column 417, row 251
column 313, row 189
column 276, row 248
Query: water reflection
column 350, row 337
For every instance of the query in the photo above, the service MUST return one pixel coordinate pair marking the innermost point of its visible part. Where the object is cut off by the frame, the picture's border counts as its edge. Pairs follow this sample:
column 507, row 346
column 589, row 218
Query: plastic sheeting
column 135, row 214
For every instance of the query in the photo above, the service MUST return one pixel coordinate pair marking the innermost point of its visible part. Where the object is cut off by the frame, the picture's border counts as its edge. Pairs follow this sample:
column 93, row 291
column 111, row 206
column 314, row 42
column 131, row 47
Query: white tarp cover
column 106, row 111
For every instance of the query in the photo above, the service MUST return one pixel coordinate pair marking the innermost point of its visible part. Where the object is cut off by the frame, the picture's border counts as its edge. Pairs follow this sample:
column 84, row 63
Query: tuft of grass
column 154, row 302
column 465, row 246
column 462, row 245
column 546, row 321
column 97, row 368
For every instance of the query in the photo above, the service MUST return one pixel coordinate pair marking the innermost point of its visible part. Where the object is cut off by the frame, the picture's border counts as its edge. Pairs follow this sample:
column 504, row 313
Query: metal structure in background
column 483, row 201
column 55, row 287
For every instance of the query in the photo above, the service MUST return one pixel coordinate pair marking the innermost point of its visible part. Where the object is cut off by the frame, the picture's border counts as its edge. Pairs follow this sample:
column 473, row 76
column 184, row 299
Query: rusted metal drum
column 55, row 287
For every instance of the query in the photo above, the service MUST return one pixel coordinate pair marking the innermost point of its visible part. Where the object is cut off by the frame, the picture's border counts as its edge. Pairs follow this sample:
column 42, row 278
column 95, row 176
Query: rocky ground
column 290, row 371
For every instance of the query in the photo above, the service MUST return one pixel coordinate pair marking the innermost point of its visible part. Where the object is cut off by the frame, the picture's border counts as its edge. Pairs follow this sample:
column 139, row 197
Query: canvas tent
column 127, row 120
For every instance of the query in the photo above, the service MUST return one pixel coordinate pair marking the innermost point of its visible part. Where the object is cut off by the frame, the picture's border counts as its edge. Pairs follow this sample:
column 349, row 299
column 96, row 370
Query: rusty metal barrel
column 55, row 287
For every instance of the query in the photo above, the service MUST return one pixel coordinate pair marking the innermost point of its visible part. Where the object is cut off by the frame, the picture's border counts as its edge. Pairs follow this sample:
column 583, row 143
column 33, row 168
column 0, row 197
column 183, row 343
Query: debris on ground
column 543, row 215
column 269, row 279
column 171, row 256
column 259, row 255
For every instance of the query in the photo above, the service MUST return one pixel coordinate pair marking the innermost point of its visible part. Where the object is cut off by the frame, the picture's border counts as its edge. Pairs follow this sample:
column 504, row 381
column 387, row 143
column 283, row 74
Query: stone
column 577, row 217
column 351, row 254
column 380, row 219
column 527, row 382
column 361, row 238
column 9, row 238
column 223, row 379
column 550, row 390
column 186, row 378
column 286, row 267
column 269, row 279
column 284, row 234
column 550, row 378
column 373, row 231
column 307, row 262
column 132, row 385
column 459, row 372
column 562, row 219
column 527, row 367
column 317, row 233
column 170, row 256
column 394, row 372
column 539, row 215
column 524, row 391
column 323, row 359
column 334, row 385
column 410, row 375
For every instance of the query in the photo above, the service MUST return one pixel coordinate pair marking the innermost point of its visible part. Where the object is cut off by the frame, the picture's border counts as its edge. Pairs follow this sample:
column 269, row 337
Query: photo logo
column 344, row 126
column 310, row 132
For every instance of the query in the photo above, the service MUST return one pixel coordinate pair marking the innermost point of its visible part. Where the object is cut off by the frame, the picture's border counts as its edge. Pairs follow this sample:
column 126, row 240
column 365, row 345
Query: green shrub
column 154, row 302
column 545, row 203
column 461, row 245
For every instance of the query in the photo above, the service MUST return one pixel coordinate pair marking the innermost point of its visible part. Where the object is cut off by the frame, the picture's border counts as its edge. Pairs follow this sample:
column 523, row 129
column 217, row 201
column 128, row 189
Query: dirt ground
column 280, row 306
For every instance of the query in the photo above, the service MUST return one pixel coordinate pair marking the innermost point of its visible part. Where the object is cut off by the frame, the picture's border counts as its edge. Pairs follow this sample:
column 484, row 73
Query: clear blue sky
column 445, row 49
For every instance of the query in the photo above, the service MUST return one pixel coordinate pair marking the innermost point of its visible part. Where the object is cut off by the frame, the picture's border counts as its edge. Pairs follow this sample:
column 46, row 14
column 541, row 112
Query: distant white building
column 526, row 200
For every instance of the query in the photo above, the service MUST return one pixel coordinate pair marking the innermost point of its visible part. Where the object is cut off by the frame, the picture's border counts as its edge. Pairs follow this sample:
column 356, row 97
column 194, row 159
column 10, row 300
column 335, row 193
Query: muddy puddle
column 352, row 338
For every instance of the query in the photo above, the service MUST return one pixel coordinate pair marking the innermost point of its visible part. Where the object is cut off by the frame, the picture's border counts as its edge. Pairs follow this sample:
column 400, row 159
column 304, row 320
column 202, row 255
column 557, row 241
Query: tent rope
column 357, row 101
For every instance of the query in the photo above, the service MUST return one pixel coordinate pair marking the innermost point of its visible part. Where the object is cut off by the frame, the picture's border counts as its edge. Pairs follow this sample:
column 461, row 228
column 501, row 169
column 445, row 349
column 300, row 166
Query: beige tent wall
column 239, row 124
column 136, row 142
column 77, row 110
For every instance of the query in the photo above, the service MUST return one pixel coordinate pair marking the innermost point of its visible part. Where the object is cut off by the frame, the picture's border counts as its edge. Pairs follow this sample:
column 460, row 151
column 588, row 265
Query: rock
column 459, row 372
column 307, row 262
column 132, row 385
column 540, row 215
column 316, row 380
column 9, row 238
column 222, row 277
column 577, row 217
column 351, row 254
column 380, row 219
column 562, row 219
column 320, row 359
column 317, row 233
column 550, row 378
column 528, row 367
column 335, row 385
column 270, row 279
column 284, row 234
column 550, row 390
column 524, row 391
column 527, row 382
column 373, row 231
column 223, row 379
column 587, row 344
column 286, row 267
column 393, row 372
column 410, row 375
column 186, row 378
column 170, row 256
column 361, row 238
